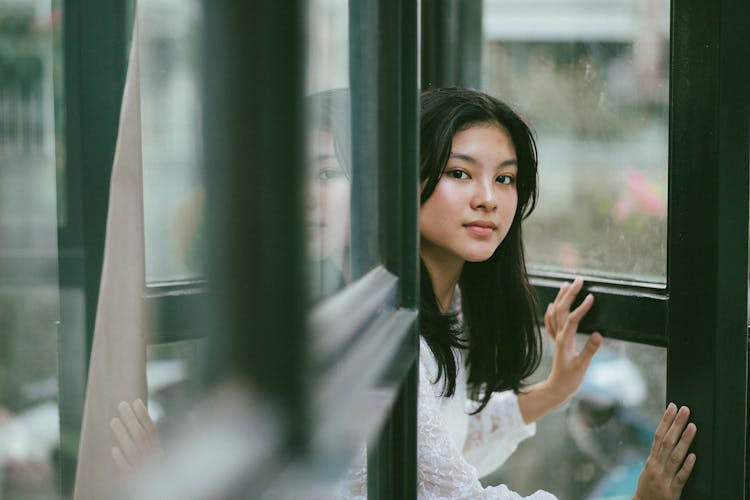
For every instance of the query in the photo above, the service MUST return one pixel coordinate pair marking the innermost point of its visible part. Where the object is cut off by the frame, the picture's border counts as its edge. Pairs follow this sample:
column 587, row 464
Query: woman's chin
column 478, row 256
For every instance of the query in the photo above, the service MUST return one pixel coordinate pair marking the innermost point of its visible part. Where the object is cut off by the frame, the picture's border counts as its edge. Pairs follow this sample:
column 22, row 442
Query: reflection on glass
column 327, row 199
column 170, row 112
column 328, row 192
column 592, row 77
column 29, row 294
column 598, row 443
column 172, row 374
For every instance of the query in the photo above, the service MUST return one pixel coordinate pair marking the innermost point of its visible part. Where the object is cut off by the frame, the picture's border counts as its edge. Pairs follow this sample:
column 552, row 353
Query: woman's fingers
column 592, row 345
column 134, row 427
column 557, row 311
column 136, row 435
column 570, row 327
column 661, row 430
column 669, row 465
column 549, row 324
column 676, row 441
column 125, row 441
column 684, row 473
column 145, row 421
column 120, row 461
column 677, row 457
column 562, row 306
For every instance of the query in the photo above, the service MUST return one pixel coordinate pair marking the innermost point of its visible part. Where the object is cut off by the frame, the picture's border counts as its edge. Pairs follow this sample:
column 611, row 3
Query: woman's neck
column 444, row 274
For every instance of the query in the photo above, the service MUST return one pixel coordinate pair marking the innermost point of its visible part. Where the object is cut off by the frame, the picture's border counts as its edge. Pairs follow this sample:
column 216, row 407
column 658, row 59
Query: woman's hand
column 136, row 436
column 667, row 468
column 568, row 365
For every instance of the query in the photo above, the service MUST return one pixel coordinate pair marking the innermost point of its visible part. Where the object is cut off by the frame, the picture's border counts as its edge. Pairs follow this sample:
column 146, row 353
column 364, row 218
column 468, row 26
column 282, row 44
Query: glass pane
column 29, row 294
column 173, row 374
column 329, row 148
column 170, row 112
column 592, row 78
column 598, row 443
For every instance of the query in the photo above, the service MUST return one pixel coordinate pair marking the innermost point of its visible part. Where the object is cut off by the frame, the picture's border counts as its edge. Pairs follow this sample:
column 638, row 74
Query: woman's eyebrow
column 461, row 156
column 319, row 158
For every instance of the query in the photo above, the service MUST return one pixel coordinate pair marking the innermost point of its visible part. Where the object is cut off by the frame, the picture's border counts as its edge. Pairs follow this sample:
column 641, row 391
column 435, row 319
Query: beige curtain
column 117, row 368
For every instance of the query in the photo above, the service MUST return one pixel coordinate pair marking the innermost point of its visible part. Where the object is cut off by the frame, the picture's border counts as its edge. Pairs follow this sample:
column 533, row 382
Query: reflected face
column 473, row 205
column 328, row 191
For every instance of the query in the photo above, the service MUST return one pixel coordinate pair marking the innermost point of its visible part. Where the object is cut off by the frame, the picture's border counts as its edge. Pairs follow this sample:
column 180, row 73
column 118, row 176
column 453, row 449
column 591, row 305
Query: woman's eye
column 458, row 174
column 506, row 179
column 329, row 174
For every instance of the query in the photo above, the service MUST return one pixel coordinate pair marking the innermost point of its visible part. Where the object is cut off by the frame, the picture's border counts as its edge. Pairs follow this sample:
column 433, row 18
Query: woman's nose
column 312, row 195
column 485, row 196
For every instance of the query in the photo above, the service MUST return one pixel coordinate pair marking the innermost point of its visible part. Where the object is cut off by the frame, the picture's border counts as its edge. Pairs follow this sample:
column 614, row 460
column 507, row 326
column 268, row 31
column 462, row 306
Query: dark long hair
column 499, row 309
column 329, row 111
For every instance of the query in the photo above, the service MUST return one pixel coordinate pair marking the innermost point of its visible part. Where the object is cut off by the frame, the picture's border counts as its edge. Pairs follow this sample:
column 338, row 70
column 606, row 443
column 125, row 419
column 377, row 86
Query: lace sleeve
column 495, row 432
column 442, row 470
column 354, row 486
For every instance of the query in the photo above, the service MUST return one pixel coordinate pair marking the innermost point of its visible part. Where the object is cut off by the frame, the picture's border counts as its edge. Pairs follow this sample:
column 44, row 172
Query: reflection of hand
column 136, row 435
column 667, row 470
column 568, row 365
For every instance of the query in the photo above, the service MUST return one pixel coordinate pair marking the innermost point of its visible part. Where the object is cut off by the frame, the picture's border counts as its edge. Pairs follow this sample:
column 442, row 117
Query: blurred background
column 591, row 76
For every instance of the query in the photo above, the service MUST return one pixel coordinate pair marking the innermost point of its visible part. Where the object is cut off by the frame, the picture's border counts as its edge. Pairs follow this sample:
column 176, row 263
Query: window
column 595, row 89
column 593, row 79
column 341, row 351
column 30, row 299
column 647, row 296
column 173, row 190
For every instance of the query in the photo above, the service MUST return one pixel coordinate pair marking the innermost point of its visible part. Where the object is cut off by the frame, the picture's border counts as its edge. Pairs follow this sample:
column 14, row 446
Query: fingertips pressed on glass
column 683, row 413
column 689, row 432
column 115, row 424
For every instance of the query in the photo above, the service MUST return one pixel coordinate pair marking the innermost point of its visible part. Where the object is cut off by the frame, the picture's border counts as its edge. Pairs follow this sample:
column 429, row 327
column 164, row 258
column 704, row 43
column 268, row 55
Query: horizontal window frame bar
column 175, row 310
column 375, row 364
column 628, row 311
column 336, row 323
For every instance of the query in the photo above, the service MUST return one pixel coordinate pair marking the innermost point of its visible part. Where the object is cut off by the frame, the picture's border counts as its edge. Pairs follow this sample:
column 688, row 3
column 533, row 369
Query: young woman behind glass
column 479, row 339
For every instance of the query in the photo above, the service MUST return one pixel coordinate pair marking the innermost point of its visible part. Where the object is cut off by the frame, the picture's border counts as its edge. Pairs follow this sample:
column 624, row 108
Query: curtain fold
column 117, row 367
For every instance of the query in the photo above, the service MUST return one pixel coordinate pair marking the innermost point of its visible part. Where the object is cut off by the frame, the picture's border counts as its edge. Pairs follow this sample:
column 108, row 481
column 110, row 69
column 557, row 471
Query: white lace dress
column 454, row 448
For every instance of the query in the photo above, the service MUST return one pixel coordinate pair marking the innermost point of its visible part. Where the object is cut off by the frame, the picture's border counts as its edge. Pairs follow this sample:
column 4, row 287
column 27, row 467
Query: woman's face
column 327, row 200
column 473, row 205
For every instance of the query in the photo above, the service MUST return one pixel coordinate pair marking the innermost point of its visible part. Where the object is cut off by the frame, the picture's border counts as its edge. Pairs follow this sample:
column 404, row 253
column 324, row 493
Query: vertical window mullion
column 707, row 241
column 254, row 146
column 363, row 68
column 392, row 458
column 94, row 70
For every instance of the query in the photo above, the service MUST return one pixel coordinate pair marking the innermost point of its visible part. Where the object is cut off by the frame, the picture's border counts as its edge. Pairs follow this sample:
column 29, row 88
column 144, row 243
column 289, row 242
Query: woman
column 479, row 337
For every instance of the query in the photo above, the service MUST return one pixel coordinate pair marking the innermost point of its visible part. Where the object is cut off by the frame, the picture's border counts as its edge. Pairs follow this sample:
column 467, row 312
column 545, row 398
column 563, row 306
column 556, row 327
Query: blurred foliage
column 22, row 40
column 589, row 236
column 587, row 89
column 602, row 133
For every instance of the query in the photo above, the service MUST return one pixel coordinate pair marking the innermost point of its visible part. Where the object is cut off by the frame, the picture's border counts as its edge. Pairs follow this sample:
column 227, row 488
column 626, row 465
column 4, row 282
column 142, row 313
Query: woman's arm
column 568, row 366
column 442, row 470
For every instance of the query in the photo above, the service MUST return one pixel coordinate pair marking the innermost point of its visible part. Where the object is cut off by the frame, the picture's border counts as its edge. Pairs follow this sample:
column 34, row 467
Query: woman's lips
column 480, row 228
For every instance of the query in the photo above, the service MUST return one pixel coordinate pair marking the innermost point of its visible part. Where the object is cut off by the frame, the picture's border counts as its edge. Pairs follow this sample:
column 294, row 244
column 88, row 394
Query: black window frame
column 700, row 314
column 707, row 239
column 237, row 294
